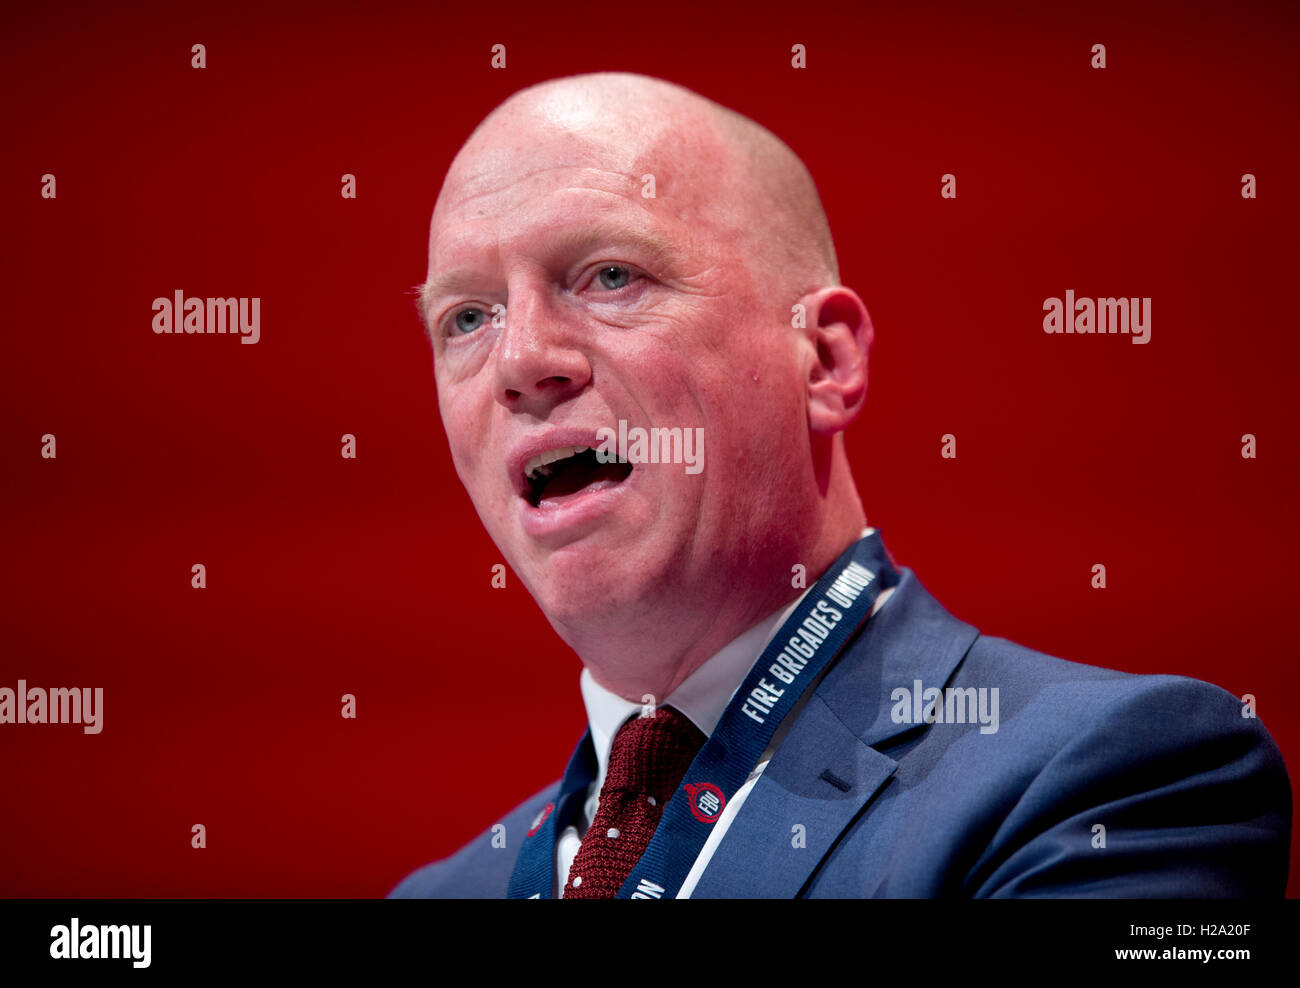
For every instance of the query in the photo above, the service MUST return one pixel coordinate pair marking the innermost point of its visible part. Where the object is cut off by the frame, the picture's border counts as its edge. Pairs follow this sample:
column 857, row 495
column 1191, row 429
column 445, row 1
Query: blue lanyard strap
column 825, row 620
column 534, row 873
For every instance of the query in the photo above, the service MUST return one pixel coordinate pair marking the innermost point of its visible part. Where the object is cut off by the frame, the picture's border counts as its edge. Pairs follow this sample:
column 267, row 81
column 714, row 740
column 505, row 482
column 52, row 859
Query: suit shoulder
column 1186, row 781
column 1002, row 657
column 481, row 869
column 1096, row 695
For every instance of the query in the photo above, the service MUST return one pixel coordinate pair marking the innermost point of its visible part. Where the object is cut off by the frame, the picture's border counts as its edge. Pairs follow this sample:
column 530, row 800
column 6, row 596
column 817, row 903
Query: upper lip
column 541, row 443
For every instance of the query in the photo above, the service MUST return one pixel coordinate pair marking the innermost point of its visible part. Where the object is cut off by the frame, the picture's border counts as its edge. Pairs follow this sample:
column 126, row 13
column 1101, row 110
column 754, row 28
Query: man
column 613, row 257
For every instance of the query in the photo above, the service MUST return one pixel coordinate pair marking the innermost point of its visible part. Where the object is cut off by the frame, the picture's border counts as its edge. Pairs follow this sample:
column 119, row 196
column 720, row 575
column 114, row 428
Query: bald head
column 712, row 167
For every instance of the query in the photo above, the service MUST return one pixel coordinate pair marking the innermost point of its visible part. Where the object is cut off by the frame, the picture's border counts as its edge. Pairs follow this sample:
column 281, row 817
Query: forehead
column 554, row 217
column 553, row 208
column 557, row 168
column 509, row 150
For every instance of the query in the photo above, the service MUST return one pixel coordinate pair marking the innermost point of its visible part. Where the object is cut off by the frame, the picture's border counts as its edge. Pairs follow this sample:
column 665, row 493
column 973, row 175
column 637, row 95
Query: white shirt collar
column 702, row 696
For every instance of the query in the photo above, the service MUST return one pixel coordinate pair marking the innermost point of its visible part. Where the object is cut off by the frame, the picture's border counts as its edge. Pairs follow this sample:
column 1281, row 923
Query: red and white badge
column 541, row 819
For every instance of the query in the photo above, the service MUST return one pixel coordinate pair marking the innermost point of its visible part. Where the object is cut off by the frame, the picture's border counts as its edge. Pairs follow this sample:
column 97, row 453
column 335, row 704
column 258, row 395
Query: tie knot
column 650, row 755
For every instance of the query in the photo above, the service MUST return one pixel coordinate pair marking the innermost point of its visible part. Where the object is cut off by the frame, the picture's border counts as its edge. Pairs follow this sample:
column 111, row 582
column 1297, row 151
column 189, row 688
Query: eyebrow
column 657, row 249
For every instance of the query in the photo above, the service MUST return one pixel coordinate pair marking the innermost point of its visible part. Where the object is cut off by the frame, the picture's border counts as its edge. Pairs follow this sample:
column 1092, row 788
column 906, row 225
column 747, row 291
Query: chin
column 579, row 590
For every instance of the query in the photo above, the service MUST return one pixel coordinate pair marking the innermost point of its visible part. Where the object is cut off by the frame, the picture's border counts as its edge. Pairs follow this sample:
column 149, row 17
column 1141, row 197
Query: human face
column 616, row 307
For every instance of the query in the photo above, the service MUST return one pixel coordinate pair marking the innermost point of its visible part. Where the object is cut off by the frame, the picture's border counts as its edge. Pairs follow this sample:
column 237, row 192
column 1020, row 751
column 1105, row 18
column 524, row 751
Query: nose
column 539, row 359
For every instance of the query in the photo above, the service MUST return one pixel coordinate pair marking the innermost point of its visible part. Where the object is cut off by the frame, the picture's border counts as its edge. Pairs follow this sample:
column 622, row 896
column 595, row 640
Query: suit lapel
column 829, row 767
column 916, row 639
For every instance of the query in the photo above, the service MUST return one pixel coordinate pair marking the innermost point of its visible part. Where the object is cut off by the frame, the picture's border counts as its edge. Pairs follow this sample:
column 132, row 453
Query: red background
column 371, row 576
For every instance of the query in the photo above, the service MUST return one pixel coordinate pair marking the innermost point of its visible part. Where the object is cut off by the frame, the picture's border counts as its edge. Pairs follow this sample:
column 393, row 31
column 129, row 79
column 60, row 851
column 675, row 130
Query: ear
column 840, row 330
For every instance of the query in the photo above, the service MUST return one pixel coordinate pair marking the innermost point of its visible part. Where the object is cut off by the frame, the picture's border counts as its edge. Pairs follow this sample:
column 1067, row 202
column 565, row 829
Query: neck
column 654, row 650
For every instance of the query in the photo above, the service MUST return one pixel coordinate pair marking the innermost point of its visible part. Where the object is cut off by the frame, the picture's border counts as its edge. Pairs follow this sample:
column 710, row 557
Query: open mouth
column 563, row 474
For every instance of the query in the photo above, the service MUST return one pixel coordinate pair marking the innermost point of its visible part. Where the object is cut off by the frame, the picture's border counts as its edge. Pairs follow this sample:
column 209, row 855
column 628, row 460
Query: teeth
column 539, row 466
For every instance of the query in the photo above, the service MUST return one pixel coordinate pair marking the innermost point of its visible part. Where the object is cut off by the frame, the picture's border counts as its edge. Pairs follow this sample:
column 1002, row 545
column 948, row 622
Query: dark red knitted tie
column 646, row 764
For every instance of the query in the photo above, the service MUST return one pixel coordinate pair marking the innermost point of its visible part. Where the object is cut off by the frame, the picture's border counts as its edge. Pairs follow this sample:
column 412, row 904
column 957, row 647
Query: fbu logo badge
column 705, row 800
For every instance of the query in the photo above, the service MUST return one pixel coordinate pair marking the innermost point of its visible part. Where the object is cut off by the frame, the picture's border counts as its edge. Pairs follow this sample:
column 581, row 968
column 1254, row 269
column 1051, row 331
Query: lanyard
column 825, row 620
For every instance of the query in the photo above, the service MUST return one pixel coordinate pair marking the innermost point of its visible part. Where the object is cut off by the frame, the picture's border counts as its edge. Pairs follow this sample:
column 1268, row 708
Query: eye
column 614, row 277
column 467, row 321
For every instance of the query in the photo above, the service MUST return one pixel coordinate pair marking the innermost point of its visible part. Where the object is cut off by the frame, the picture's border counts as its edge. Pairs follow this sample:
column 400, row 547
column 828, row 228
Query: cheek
column 467, row 447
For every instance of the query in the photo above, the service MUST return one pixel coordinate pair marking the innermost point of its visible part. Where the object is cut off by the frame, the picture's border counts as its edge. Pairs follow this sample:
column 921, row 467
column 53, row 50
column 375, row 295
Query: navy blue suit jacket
column 1193, row 797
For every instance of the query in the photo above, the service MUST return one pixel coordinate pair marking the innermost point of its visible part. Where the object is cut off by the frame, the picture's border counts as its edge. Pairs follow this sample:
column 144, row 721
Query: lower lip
column 578, row 511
